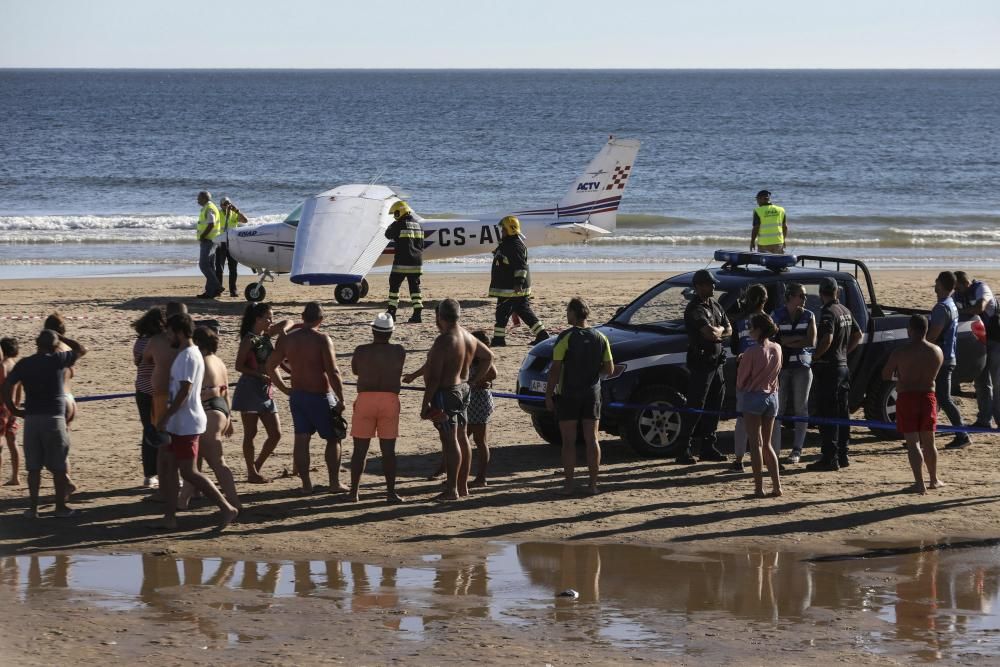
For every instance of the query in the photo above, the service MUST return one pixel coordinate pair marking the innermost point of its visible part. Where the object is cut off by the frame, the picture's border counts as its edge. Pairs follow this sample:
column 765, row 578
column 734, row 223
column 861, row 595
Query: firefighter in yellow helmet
column 510, row 283
column 407, row 263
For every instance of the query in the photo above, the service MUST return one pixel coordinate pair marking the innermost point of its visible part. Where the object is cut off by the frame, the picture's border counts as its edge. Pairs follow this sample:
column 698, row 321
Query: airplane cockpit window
column 293, row 217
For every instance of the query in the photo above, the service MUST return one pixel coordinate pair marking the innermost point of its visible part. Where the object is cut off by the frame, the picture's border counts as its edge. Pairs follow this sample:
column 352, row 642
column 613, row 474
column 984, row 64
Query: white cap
column 383, row 323
column 225, row 200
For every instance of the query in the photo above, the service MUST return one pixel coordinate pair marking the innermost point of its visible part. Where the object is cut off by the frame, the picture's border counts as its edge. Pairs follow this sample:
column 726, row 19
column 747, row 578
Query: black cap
column 828, row 286
column 701, row 277
column 763, row 193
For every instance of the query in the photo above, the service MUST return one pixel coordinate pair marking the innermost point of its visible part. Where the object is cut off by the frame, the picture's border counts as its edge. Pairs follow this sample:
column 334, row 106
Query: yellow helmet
column 510, row 225
column 399, row 209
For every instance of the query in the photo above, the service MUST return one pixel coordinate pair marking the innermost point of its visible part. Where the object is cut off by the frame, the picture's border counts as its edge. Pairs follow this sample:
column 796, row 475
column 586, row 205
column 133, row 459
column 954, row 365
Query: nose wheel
column 255, row 292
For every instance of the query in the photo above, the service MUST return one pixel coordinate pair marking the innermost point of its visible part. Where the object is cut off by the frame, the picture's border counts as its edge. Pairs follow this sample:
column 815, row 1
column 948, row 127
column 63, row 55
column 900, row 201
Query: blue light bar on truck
column 767, row 260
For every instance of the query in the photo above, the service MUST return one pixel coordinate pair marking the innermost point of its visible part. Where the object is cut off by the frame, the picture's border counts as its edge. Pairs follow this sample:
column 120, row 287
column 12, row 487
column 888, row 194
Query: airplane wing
column 341, row 234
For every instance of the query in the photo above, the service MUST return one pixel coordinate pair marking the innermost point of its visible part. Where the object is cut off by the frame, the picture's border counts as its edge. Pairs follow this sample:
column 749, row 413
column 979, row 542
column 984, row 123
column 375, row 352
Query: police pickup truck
column 649, row 346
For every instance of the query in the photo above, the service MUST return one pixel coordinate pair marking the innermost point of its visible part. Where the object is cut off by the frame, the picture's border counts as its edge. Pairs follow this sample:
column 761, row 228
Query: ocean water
column 900, row 168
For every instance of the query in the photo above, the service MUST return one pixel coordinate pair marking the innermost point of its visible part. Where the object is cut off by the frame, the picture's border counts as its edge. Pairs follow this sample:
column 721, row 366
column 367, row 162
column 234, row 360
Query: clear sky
column 508, row 34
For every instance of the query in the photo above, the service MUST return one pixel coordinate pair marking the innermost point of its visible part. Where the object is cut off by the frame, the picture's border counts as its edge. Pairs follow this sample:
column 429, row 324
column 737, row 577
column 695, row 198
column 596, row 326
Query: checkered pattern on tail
column 618, row 177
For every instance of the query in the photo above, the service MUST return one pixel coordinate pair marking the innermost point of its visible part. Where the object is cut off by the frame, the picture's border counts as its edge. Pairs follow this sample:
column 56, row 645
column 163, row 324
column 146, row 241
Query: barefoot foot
column 353, row 497
column 227, row 517
column 566, row 490
column 937, row 484
column 447, row 496
column 478, row 483
column 394, row 498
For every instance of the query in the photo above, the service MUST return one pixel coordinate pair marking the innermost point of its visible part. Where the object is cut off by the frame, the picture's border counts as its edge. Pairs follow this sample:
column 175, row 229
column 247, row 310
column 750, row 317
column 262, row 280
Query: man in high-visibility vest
column 770, row 226
column 232, row 217
column 209, row 226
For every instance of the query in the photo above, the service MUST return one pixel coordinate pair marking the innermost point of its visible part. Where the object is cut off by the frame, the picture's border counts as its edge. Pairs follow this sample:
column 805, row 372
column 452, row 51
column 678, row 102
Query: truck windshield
column 662, row 307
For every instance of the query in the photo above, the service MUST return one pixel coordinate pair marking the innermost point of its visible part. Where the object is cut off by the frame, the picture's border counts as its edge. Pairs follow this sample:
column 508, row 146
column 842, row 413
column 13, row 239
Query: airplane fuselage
column 270, row 246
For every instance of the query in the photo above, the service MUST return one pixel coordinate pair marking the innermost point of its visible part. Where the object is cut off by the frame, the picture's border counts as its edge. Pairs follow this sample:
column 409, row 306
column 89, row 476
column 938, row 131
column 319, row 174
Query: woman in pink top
column 757, row 386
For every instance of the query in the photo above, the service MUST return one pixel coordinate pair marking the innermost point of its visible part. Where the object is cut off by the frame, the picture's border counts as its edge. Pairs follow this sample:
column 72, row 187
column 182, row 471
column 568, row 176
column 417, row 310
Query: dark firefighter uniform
column 407, row 263
column 510, row 283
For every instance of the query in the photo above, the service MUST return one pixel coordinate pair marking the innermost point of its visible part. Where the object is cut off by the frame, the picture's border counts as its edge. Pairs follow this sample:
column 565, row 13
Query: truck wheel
column 653, row 432
column 254, row 292
column 880, row 405
column 547, row 429
column 347, row 294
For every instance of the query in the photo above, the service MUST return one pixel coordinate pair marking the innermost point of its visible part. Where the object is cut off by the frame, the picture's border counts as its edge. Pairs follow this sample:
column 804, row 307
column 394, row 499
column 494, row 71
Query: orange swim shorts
column 376, row 413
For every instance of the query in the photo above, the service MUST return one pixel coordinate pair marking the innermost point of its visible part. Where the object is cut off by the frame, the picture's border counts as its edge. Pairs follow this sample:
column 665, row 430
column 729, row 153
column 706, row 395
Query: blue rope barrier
column 857, row 423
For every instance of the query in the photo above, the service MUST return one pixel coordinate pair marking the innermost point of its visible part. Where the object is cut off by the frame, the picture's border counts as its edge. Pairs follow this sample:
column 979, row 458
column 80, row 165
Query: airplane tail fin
column 594, row 197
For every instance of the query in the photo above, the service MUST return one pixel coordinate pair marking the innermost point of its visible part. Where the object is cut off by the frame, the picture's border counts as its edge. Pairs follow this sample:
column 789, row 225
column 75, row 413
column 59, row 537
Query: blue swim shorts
column 311, row 413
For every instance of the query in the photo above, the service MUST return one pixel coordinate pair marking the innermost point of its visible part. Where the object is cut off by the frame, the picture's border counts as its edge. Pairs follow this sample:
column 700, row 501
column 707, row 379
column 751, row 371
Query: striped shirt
column 144, row 369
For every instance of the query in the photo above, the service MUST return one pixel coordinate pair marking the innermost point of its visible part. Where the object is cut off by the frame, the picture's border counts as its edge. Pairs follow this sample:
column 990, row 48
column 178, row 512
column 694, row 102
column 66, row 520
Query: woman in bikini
column 254, row 394
column 215, row 401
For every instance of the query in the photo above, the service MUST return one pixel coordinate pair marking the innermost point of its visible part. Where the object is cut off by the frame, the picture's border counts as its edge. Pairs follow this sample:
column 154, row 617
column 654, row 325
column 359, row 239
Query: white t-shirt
column 982, row 291
column 188, row 366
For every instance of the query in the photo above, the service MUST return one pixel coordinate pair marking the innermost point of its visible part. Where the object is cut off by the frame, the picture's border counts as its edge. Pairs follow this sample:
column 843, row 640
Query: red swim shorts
column 916, row 412
column 183, row 447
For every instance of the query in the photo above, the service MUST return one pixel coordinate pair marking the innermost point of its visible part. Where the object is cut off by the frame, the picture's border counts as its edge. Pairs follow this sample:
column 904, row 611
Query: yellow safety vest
column 232, row 219
column 203, row 221
column 772, row 221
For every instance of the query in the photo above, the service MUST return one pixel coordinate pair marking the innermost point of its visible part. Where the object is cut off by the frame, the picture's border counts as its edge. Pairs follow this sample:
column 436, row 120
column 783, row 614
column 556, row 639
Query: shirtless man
column 161, row 353
column 378, row 366
column 446, row 393
column 316, row 395
column 915, row 366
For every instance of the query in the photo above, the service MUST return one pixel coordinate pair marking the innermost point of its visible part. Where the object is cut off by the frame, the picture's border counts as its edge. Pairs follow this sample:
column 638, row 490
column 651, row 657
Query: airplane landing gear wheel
column 348, row 293
column 255, row 292
column 364, row 288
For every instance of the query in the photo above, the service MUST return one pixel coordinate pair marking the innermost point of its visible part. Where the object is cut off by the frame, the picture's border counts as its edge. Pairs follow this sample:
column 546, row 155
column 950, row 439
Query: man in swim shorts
column 46, row 441
column 446, row 393
column 378, row 366
column 316, row 397
column 915, row 367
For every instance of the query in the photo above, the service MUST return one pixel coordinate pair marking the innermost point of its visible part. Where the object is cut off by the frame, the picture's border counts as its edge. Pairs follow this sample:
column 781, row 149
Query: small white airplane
column 338, row 236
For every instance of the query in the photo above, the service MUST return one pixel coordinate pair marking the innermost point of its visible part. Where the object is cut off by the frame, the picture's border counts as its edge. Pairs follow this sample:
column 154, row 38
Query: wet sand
column 647, row 502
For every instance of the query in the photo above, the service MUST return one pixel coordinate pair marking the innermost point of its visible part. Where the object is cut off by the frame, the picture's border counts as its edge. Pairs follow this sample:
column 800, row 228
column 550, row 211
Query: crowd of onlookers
column 182, row 392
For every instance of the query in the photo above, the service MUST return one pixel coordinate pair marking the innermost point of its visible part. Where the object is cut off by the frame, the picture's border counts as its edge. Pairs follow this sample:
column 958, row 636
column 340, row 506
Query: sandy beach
column 645, row 501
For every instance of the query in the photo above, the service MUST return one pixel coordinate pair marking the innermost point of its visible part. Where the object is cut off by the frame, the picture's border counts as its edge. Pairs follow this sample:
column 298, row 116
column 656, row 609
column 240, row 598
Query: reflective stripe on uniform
column 409, row 270
column 508, row 293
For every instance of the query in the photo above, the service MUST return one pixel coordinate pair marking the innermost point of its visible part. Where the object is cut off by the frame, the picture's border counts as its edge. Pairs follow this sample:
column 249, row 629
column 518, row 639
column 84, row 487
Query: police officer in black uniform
column 707, row 326
column 837, row 334
column 510, row 283
column 407, row 262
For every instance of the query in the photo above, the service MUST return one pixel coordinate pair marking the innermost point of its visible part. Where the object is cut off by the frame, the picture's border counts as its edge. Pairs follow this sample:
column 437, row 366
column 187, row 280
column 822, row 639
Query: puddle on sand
column 931, row 604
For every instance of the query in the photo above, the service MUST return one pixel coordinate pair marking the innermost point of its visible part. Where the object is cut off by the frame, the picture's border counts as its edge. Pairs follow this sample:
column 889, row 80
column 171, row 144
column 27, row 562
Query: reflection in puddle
column 940, row 602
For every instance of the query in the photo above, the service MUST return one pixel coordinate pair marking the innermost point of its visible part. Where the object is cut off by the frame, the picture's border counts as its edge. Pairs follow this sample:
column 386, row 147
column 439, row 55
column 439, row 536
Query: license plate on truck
column 540, row 386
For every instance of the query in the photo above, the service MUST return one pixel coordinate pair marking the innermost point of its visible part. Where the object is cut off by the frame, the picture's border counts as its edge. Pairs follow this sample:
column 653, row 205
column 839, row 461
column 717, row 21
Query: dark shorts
column 916, row 412
column 576, row 407
column 453, row 404
column 46, row 443
column 217, row 403
column 311, row 413
column 183, row 447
